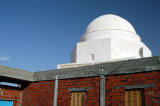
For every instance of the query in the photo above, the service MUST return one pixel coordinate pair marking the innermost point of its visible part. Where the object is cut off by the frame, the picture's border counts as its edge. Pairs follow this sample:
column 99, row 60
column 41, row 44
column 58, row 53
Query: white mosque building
column 108, row 38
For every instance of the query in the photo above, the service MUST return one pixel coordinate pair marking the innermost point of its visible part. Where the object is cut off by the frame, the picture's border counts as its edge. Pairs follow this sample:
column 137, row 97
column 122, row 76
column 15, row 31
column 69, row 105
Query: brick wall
column 116, row 96
column 92, row 95
column 38, row 94
column 41, row 93
column 11, row 93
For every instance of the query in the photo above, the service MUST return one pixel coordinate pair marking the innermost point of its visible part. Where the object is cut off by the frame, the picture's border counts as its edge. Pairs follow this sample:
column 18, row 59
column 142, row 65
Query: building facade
column 110, row 66
column 126, row 83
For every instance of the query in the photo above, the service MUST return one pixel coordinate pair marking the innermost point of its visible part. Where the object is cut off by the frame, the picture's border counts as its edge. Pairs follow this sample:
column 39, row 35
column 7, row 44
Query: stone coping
column 111, row 68
column 16, row 73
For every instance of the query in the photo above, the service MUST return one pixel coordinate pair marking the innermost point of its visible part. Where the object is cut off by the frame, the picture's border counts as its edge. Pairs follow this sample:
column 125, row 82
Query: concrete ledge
column 16, row 73
column 79, row 89
column 112, row 68
column 136, row 86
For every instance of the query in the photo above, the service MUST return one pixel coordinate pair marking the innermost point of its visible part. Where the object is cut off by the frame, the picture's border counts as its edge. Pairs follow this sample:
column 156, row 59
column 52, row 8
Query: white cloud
column 3, row 58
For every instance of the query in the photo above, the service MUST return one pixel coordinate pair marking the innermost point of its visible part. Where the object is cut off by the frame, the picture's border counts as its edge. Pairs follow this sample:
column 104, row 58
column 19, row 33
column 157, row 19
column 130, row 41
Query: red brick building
column 133, row 82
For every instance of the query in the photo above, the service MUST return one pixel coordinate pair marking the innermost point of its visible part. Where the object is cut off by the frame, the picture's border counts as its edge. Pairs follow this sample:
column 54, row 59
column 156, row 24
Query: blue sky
column 39, row 34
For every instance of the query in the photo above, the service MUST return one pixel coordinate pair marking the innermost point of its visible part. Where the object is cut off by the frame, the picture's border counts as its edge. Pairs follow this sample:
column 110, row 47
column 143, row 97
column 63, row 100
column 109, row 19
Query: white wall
column 124, row 49
column 100, row 48
column 107, row 50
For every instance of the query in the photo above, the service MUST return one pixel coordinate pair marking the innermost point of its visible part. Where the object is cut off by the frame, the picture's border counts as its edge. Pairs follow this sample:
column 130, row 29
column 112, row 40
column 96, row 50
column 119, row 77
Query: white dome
column 110, row 26
column 110, row 22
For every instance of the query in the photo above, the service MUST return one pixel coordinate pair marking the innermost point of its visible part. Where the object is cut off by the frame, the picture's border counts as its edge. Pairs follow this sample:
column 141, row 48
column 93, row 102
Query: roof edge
column 111, row 68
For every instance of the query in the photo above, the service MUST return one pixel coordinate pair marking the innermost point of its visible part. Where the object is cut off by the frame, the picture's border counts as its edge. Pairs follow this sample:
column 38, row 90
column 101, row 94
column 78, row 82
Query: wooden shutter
column 77, row 98
column 134, row 97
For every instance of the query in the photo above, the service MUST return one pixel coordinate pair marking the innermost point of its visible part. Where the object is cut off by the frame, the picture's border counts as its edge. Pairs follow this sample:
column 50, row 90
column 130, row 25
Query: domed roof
column 108, row 23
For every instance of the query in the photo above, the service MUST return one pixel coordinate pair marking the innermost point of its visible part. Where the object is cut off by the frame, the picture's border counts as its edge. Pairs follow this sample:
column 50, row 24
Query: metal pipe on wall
column 55, row 91
column 102, row 88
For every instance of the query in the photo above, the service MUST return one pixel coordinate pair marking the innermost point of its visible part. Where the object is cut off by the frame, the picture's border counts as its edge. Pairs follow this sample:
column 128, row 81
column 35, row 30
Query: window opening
column 134, row 97
column 77, row 98
column 92, row 56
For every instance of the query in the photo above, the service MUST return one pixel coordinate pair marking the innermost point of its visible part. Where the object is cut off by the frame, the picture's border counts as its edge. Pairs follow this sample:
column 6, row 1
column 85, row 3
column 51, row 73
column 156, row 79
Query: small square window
column 92, row 56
